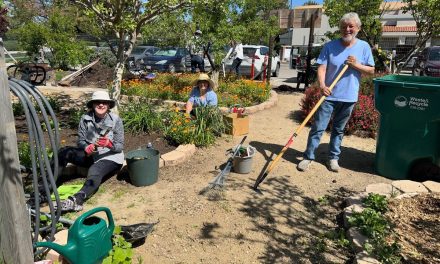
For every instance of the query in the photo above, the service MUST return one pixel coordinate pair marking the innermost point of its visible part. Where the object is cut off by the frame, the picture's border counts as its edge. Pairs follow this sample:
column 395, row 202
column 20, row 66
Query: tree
column 427, row 17
column 124, row 19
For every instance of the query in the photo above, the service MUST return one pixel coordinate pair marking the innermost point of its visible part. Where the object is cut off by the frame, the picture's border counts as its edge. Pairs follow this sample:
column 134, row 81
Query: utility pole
column 309, row 50
column 269, row 61
column 15, row 228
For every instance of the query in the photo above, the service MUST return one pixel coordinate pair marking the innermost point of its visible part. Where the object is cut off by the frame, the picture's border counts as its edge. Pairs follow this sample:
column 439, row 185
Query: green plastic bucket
column 143, row 166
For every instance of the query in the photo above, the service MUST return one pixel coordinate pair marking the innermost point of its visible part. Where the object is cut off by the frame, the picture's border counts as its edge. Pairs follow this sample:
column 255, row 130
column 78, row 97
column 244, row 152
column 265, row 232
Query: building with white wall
column 398, row 28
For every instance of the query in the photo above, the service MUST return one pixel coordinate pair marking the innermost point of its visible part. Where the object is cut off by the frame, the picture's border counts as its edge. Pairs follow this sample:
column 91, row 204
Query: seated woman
column 202, row 94
column 100, row 148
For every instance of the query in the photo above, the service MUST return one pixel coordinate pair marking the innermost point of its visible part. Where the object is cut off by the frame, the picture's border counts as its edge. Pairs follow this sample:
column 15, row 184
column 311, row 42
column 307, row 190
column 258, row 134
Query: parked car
column 260, row 56
column 171, row 60
column 168, row 60
column 428, row 62
column 139, row 53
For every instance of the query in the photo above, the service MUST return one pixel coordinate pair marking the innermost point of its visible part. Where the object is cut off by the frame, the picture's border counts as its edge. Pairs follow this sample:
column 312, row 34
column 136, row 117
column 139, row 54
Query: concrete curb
column 394, row 190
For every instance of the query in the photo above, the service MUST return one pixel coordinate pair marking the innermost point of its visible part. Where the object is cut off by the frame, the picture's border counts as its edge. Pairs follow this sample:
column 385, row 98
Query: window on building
column 435, row 42
column 410, row 40
column 388, row 43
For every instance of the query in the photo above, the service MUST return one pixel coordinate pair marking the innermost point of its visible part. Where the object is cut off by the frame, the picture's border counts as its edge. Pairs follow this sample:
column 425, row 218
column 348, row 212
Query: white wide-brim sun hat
column 101, row 96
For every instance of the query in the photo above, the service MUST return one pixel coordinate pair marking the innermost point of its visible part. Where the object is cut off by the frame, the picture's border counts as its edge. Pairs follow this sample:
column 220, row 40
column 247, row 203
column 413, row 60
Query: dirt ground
column 289, row 221
column 286, row 223
column 417, row 223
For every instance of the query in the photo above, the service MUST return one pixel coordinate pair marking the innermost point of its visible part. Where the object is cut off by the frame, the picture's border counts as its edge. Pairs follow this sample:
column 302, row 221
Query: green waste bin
column 143, row 166
column 409, row 129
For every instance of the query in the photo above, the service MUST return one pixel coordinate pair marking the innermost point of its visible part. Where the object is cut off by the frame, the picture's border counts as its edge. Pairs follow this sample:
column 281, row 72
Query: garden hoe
column 262, row 176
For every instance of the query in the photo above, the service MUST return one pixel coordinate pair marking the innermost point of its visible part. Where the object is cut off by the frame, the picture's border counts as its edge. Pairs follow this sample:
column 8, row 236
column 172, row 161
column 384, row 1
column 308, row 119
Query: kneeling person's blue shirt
column 196, row 100
column 334, row 55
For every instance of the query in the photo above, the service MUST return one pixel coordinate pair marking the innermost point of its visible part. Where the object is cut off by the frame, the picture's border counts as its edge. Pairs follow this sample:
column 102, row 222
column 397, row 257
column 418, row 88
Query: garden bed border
column 183, row 152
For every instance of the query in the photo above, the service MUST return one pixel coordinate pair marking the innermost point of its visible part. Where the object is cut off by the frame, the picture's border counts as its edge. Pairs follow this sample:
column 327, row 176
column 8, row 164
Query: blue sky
column 301, row 2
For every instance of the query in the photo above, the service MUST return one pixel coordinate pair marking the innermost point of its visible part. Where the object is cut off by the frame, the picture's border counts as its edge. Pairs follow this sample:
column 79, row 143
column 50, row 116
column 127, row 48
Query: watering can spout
column 65, row 250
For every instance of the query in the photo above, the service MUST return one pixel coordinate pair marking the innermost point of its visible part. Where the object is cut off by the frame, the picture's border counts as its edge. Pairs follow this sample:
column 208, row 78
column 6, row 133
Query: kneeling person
column 202, row 94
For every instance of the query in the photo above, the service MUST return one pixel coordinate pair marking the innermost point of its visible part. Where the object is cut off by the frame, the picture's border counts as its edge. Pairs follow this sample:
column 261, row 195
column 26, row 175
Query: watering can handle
column 111, row 223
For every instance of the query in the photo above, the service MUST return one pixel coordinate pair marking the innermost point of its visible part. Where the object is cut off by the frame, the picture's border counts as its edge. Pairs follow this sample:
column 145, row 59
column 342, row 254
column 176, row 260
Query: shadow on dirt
column 288, row 89
column 299, row 228
column 360, row 161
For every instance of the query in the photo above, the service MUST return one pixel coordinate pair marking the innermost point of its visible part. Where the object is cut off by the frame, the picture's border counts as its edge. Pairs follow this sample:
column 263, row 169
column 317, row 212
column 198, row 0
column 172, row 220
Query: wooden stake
column 15, row 228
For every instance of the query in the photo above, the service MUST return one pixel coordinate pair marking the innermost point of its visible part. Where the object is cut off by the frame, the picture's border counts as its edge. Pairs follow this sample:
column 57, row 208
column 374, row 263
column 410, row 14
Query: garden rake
column 219, row 181
column 262, row 176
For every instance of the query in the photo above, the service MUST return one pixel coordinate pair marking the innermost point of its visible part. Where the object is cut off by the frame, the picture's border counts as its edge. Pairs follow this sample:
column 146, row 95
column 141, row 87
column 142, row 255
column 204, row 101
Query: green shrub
column 141, row 117
column 107, row 58
column 24, row 154
column 74, row 118
column 17, row 109
column 200, row 130
column 57, row 33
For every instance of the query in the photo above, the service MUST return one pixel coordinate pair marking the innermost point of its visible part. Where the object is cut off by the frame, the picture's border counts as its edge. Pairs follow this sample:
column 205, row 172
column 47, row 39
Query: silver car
column 138, row 54
column 257, row 56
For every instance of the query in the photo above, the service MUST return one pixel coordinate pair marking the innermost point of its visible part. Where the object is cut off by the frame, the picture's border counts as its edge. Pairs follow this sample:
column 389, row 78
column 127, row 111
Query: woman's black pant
column 97, row 170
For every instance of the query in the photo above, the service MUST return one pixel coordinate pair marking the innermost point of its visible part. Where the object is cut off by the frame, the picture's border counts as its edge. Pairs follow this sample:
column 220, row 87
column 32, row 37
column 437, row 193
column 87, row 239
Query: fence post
column 15, row 228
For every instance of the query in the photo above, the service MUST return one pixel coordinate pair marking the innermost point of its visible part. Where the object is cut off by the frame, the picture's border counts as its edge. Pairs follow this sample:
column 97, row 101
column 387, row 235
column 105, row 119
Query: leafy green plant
column 376, row 202
column 17, row 109
column 141, row 118
column 201, row 130
column 24, row 154
column 74, row 117
column 54, row 103
column 121, row 252
column 371, row 222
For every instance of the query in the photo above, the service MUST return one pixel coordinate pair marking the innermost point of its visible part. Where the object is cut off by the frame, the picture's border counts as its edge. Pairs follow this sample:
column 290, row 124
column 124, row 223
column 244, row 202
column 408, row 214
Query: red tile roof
column 399, row 29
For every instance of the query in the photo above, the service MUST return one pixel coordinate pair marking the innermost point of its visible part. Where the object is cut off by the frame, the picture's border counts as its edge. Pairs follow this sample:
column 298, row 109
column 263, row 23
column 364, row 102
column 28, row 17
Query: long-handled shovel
column 262, row 176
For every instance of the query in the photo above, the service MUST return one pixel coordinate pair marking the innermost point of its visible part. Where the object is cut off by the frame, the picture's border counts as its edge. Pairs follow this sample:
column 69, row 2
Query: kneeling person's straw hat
column 101, row 96
column 205, row 77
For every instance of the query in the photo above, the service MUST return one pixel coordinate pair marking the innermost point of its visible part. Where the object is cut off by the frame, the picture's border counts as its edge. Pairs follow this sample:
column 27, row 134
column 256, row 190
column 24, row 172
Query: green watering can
column 89, row 239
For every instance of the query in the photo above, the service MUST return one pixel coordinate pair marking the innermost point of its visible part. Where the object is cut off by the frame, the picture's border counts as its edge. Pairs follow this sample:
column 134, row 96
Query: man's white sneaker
column 333, row 165
column 304, row 165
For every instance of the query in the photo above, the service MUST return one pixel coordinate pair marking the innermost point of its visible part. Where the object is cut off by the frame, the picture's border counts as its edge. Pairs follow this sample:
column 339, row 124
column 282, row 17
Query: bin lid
column 405, row 81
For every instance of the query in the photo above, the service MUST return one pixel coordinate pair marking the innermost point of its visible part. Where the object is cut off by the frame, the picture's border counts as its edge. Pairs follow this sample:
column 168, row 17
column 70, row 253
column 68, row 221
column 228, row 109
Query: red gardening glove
column 89, row 149
column 104, row 142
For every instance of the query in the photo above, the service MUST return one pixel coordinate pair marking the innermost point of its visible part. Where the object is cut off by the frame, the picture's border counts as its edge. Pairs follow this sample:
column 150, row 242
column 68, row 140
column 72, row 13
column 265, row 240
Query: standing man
column 235, row 53
column 197, row 53
column 341, row 100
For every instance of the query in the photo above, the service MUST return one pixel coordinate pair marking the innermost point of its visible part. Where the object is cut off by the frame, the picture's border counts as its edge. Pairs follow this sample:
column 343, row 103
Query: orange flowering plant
column 168, row 86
